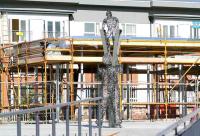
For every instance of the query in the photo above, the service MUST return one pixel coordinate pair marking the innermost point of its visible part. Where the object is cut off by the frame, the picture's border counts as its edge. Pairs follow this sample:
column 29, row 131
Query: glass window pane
column 130, row 29
column 15, row 29
column 23, row 25
column 165, row 31
column 196, row 33
column 57, row 29
column 50, row 29
column 89, row 27
column 23, row 30
column 172, row 31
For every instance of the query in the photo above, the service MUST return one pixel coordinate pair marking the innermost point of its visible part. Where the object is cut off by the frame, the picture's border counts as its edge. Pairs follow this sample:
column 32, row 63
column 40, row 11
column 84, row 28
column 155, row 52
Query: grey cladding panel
column 124, row 17
column 178, row 4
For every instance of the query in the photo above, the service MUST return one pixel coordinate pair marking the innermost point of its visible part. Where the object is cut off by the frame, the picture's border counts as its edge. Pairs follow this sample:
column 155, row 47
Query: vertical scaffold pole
column 128, row 91
column 26, row 77
column 18, row 78
column 45, row 77
column 68, row 100
column 72, row 81
column 165, row 77
column 90, row 119
column 79, row 120
column 197, row 92
column 180, row 91
column 148, row 90
column 36, row 84
column 57, row 91
column 120, row 84
column 45, row 74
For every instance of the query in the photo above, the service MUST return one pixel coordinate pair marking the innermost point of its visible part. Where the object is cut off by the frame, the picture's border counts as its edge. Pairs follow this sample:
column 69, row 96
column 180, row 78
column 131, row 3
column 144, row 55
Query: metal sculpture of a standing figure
column 109, row 72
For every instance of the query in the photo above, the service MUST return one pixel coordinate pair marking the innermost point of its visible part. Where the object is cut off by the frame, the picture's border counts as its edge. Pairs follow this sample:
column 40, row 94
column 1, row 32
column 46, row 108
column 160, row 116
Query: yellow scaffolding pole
column 18, row 77
column 26, row 74
column 120, row 85
column 2, row 92
column 165, row 77
column 1, row 80
column 72, row 80
column 45, row 73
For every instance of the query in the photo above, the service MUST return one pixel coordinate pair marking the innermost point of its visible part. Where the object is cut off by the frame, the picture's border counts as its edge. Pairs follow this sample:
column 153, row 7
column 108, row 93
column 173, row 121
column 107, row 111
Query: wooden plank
column 58, row 57
column 179, row 44
column 130, row 60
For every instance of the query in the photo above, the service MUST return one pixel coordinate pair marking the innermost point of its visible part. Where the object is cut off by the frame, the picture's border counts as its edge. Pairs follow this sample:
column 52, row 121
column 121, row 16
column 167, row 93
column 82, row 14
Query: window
column 128, row 29
column 50, row 29
column 165, row 31
column 89, row 29
column 18, row 30
column 23, row 30
column 172, row 31
column 15, row 29
column 133, row 94
column 196, row 33
column 57, row 29
column 168, row 31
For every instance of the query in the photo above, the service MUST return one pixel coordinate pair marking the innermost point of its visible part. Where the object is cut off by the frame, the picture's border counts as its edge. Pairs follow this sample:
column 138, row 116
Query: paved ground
column 133, row 128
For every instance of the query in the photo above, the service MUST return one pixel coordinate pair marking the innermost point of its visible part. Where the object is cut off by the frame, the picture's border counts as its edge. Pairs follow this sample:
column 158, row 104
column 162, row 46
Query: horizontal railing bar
column 38, row 109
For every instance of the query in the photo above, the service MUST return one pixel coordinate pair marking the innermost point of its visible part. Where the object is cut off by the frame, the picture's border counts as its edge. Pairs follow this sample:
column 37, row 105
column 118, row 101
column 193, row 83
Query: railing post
column 90, row 120
column 67, row 120
column 184, row 124
column 99, row 117
column 18, row 125
column 37, row 133
column 53, row 124
column 79, row 120
column 176, row 132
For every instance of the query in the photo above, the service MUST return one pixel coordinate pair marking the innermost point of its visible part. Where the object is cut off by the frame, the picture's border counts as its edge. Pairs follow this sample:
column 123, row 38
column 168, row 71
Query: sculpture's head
column 109, row 14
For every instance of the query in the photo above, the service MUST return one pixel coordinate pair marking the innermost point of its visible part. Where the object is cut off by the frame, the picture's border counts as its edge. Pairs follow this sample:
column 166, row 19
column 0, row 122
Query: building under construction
column 51, row 54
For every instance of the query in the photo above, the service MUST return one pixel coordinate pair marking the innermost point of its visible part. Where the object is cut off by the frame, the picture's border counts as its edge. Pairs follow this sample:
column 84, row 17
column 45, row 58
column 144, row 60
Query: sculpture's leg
column 103, row 93
column 116, row 47
column 111, row 98
column 117, row 103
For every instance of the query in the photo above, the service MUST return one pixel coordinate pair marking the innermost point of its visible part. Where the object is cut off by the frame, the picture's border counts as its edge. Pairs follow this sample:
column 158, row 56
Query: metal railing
column 180, row 125
column 37, row 111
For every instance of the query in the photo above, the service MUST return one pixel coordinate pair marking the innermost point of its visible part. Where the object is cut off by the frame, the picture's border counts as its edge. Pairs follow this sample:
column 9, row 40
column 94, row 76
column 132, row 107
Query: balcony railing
column 52, row 107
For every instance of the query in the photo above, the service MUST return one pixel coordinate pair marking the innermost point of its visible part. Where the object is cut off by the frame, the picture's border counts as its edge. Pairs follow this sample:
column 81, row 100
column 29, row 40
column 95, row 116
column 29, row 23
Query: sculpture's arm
column 104, row 24
column 117, row 23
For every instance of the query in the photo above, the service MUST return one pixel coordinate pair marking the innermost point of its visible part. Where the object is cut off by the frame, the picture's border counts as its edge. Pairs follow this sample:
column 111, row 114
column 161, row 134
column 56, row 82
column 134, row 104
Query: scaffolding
column 51, row 70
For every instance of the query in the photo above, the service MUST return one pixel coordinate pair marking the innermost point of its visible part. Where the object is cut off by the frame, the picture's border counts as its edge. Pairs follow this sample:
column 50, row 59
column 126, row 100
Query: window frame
column 89, row 33
column 124, row 26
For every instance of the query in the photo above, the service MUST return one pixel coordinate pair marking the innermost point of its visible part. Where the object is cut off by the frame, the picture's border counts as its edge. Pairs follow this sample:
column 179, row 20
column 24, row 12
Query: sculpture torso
column 110, row 25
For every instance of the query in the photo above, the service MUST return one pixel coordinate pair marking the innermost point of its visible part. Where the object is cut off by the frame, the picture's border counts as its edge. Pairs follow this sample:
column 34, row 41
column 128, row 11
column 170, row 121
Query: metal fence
column 52, row 107
column 182, row 125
